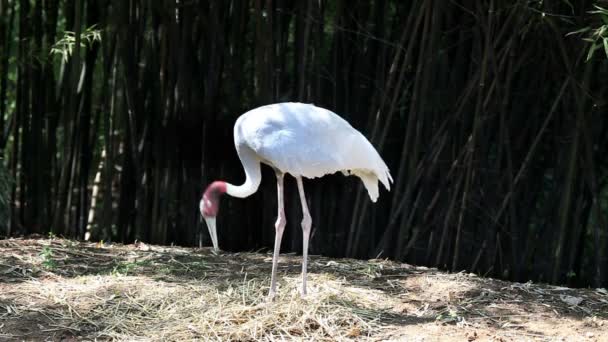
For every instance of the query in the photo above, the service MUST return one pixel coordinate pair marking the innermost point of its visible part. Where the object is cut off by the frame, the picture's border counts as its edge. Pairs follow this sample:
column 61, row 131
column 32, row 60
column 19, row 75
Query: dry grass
column 60, row 289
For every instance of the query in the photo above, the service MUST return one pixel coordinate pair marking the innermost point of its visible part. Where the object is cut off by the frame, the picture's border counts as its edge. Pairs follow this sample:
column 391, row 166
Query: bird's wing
column 309, row 141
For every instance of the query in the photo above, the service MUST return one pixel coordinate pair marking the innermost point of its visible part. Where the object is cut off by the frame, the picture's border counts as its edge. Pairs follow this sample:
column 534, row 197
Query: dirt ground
column 55, row 289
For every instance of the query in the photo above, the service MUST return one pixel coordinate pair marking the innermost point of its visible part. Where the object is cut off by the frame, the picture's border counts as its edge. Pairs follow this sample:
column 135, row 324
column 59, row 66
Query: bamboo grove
column 114, row 116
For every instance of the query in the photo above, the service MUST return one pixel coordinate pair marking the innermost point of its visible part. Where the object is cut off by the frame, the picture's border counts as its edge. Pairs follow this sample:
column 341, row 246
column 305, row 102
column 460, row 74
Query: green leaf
column 591, row 51
column 599, row 10
column 606, row 45
column 584, row 29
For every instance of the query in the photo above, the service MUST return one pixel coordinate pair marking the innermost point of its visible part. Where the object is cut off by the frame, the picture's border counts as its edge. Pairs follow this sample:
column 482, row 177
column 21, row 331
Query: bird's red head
column 210, row 203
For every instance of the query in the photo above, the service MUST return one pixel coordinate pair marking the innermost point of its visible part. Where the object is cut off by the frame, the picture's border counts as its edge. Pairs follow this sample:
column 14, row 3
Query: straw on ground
column 53, row 288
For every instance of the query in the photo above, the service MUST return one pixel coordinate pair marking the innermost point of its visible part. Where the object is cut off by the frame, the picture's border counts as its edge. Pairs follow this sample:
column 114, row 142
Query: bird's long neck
column 253, row 175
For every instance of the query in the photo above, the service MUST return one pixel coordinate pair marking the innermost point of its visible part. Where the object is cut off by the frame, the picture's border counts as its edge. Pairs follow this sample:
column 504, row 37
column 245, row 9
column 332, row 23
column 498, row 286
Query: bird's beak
column 212, row 232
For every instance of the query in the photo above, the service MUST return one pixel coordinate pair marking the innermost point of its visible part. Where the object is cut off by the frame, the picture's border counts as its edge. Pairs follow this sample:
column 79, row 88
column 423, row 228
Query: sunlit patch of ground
column 60, row 289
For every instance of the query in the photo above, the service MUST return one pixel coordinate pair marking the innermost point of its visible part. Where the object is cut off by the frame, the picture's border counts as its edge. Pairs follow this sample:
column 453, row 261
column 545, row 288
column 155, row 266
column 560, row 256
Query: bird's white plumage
column 304, row 141
column 309, row 141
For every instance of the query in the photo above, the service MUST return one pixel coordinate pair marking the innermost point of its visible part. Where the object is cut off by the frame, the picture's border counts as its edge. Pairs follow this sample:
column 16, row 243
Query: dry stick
column 304, row 61
column 588, row 155
column 420, row 84
column 399, row 254
column 532, row 150
column 473, row 137
column 392, row 109
column 108, row 128
column 430, row 207
column 565, row 205
column 447, row 218
column 391, row 77
column 6, row 128
column 511, row 69
column 505, row 53
column 63, row 187
column 505, row 137
column 418, row 174
column 448, row 177
column 498, row 253
column 379, row 137
column 432, row 160
column 99, row 185
column 463, row 208
column 479, row 254
column 600, row 219
column 356, row 220
column 75, row 109
column 5, row 46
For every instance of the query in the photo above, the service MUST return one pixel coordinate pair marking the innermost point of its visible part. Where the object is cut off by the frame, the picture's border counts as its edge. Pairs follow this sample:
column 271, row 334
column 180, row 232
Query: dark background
column 115, row 115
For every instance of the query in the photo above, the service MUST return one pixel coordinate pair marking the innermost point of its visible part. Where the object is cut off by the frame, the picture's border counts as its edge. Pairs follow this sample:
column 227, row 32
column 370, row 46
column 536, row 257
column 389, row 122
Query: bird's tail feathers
column 370, row 166
column 370, row 181
column 385, row 178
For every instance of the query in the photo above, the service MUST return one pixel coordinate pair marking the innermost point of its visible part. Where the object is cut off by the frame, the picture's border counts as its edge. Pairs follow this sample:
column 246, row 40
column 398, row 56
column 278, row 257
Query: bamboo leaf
column 600, row 10
column 584, row 29
column 591, row 51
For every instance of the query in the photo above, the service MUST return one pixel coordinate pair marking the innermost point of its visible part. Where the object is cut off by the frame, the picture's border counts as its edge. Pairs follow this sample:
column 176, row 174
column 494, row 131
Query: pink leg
column 280, row 227
column 306, row 223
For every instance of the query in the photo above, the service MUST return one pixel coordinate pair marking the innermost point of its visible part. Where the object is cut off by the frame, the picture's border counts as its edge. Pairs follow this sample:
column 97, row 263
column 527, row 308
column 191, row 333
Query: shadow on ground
column 66, row 289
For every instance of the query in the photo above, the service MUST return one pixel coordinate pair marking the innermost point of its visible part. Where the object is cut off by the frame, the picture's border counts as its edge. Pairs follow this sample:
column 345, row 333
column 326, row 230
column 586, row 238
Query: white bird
column 304, row 141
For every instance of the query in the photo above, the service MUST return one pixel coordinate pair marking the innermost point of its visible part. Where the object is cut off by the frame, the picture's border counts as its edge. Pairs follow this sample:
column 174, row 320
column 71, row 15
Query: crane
column 305, row 141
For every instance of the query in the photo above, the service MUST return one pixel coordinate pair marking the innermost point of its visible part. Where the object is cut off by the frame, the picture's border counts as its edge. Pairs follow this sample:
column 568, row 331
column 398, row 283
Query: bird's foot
column 271, row 295
column 303, row 293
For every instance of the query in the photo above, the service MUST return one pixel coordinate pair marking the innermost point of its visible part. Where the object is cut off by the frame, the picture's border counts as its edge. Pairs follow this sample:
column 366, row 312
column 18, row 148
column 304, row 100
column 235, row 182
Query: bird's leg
column 306, row 223
column 280, row 227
